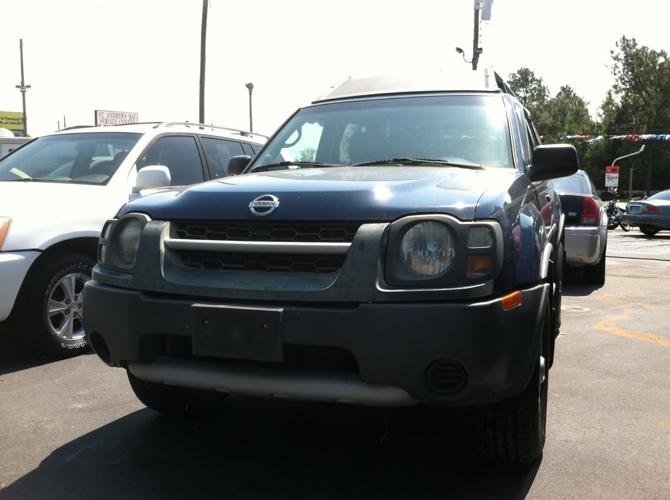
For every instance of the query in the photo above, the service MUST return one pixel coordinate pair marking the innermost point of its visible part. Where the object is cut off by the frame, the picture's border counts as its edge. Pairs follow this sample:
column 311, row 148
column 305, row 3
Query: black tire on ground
column 30, row 325
column 595, row 275
column 648, row 230
column 514, row 430
column 175, row 401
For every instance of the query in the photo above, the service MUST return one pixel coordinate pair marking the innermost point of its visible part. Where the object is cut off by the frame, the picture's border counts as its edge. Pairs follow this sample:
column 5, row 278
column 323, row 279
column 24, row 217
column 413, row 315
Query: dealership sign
column 103, row 117
column 12, row 120
column 611, row 176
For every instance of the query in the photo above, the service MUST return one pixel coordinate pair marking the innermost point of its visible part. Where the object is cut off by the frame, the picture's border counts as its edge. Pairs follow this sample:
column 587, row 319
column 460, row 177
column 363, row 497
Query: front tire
column 50, row 316
column 648, row 231
column 180, row 402
column 514, row 430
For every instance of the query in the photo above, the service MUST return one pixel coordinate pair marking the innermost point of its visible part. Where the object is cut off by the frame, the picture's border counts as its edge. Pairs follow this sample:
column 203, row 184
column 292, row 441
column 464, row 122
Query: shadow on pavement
column 634, row 234
column 14, row 358
column 272, row 449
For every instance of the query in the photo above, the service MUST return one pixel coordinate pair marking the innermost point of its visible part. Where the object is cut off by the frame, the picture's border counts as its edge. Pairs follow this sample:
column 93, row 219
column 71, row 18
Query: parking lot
column 73, row 428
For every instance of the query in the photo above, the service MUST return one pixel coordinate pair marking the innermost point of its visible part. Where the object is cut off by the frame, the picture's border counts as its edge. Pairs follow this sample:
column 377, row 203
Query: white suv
column 57, row 191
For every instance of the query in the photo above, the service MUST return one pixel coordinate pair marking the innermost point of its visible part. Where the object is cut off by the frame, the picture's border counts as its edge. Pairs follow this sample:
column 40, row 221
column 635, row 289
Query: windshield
column 465, row 130
column 663, row 195
column 573, row 184
column 90, row 158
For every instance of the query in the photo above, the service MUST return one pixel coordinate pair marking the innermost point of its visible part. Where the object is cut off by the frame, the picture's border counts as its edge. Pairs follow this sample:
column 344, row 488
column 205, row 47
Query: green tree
column 530, row 89
column 565, row 114
column 307, row 154
column 639, row 103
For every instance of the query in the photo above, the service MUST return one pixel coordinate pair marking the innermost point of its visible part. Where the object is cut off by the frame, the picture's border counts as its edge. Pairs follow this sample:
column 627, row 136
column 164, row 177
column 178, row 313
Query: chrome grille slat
column 276, row 247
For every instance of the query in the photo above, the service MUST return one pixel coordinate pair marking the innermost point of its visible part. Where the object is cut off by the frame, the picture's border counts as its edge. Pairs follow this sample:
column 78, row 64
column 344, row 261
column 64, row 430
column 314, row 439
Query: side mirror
column 237, row 164
column 153, row 177
column 607, row 196
column 552, row 161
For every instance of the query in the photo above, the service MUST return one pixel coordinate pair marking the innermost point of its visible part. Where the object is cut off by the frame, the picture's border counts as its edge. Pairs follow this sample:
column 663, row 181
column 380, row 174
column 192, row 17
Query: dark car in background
column 395, row 243
column 585, row 226
column 651, row 214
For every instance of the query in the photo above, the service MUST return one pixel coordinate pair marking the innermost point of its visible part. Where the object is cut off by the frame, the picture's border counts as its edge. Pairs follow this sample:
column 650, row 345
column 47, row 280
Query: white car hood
column 44, row 213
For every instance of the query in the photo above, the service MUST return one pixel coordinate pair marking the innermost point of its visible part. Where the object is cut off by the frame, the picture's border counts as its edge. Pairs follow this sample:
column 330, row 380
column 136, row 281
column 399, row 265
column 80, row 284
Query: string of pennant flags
column 595, row 139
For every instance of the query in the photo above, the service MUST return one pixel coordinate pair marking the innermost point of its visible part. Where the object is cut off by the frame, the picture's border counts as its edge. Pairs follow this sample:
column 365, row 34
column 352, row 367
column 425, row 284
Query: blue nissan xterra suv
column 394, row 243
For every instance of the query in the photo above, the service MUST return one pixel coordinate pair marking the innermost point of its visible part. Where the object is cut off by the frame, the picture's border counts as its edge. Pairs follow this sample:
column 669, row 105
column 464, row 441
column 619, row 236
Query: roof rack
column 204, row 126
column 73, row 127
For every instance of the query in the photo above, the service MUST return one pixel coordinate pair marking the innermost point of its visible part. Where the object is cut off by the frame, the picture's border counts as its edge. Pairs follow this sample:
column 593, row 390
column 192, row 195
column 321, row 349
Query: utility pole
column 203, row 50
column 250, row 86
column 476, row 49
column 23, row 87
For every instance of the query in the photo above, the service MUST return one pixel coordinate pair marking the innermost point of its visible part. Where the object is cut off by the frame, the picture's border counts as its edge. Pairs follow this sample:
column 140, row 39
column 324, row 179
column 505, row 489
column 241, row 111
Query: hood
column 348, row 193
column 45, row 212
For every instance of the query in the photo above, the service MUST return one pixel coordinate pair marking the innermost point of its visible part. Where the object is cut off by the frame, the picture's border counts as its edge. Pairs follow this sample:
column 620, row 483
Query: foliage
column 637, row 103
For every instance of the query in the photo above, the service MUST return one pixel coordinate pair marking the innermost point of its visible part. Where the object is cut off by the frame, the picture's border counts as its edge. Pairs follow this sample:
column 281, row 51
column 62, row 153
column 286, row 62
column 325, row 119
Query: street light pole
column 630, row 177
column 23, row 87
column 250, row 86
column 203, row 50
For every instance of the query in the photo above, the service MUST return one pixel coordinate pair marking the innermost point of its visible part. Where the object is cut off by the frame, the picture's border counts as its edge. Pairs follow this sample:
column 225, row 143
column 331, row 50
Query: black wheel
column 49, row 316
column 612, row 223
column 624, row 226
column 595, row 275
column 514, row 430
column 175, row 401
column 648, row 230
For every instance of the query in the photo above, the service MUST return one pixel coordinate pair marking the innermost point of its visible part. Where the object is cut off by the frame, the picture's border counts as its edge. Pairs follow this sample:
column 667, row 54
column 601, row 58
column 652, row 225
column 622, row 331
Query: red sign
column 611, row 176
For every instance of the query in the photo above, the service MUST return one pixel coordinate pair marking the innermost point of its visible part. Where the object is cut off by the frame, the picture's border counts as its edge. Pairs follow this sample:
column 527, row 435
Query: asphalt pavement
column 73, row 429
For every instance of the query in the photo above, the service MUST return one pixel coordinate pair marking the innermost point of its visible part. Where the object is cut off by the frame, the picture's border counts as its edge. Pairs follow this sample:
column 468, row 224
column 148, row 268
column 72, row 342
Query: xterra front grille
column 325, row 232
column 260, row 262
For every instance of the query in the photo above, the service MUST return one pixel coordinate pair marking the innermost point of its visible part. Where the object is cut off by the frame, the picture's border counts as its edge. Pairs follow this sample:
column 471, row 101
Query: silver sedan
column 651, row 214
column 585, row 225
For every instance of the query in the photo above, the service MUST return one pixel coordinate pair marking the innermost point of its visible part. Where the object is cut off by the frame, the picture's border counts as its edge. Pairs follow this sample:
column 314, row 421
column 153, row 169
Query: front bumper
column 13, row 269
column 393, row 345
column 658, row 221
column 584, row 245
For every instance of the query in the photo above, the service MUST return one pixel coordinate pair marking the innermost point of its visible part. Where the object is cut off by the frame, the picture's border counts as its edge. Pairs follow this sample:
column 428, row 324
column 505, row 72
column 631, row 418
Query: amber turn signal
column 511, row 300
column 479, row 265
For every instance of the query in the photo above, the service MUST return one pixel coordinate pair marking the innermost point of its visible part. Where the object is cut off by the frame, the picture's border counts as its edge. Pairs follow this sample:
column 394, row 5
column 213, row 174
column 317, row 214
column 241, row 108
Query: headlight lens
column 427, row 249
column 4, row 229
column 126, row 241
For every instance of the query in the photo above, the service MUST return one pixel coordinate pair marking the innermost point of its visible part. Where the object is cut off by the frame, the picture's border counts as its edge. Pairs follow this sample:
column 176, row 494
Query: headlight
column 439, row 251
column 427, row 249
column 125, row 241
column 4, row 229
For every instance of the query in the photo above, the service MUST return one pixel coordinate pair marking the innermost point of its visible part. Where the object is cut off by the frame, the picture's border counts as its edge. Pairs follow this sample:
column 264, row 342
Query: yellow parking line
column 610, row 326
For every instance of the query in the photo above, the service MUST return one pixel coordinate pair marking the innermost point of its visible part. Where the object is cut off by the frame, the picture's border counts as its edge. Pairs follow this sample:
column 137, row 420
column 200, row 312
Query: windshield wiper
column 297, row 164
column 419, row 162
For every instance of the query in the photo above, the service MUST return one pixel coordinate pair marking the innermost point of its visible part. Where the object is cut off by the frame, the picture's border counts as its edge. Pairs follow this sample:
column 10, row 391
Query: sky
column 143, row 55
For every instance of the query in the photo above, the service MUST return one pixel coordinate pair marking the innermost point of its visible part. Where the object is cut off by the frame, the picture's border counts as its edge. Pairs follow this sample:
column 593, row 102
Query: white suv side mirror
column 152, row 177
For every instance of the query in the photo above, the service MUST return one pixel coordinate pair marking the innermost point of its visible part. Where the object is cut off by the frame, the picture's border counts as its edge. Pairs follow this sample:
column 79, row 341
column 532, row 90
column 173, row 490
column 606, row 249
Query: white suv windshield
column 463, row 129
column 90, row 158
